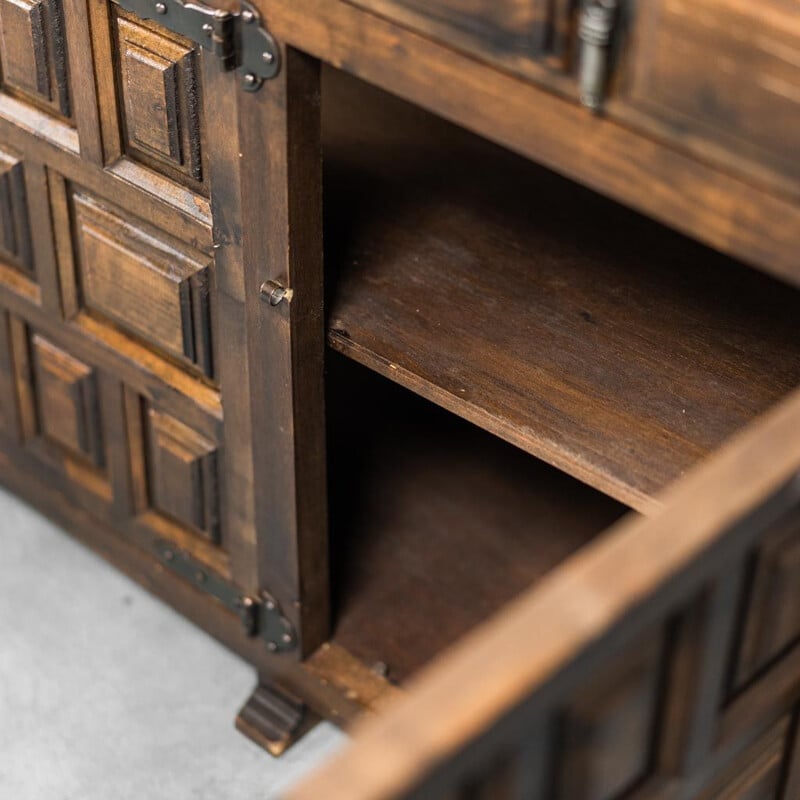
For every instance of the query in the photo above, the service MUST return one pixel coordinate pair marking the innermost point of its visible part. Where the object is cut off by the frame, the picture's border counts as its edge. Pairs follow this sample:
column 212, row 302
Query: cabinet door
column 130, row 299
column 620, row 676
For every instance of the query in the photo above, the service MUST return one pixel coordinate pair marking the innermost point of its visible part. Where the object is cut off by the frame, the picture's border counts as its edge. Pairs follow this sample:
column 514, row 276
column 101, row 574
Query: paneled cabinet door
column 138, row 171
column 217, row 144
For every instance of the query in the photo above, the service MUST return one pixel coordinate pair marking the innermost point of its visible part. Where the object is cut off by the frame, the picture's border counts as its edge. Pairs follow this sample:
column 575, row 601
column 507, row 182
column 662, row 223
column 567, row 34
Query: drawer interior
column 514, row 363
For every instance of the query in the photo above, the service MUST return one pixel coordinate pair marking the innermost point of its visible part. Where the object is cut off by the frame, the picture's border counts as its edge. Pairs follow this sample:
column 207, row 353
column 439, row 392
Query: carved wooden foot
column 274, row 719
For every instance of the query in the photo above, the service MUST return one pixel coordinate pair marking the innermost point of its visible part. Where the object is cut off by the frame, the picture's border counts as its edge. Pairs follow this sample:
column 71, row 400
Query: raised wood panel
column 67, row 401
column 757, row 773
column 792, row 775
column 33, row 51
column 15, row 231
column 772, row 612
column 7, row 393
column 161, row 99
column 499, row 782
column 58, row 412
column 182, row 474
column 153, row 288
column 22, row 375
column 505, row 30
column 610, row 729
column 723, row 72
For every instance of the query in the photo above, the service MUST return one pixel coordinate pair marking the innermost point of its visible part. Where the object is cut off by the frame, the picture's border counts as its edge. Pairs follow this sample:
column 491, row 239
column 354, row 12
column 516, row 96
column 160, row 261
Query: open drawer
column 663, row 660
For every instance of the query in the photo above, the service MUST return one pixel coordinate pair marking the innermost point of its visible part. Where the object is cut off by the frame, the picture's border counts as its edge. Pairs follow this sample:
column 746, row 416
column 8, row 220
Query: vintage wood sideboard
column 441, row 358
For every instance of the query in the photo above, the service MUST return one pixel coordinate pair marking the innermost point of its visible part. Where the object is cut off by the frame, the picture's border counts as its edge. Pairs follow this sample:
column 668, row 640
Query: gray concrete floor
column 106, row 693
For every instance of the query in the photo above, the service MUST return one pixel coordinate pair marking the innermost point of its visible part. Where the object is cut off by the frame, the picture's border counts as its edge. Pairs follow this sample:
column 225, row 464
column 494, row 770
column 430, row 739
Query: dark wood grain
column 742, row 215
column 741, row 108
column 519, row 675
column 435, row 524
column 150, row 398
column 609, row 346
column 32, row 52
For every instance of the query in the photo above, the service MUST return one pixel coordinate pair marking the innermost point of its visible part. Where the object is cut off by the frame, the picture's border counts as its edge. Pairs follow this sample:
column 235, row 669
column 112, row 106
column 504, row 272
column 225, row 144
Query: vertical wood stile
column 791, row 782
column 279, row 129
column 8, row 403
column 232, row 369
column 721, row 614
column 86, row 111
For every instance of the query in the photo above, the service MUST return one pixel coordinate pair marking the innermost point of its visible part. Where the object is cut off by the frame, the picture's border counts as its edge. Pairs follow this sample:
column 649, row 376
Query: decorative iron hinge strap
column 260, row 615
column 239, row 40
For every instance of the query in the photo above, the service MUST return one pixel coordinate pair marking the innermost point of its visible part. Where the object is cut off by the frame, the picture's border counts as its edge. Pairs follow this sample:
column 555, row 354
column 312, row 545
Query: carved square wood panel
column 182, row 474
column 174, row 467
column 33, row 53
column 757, row 773
column 160, row 97
column 148, row 284
column 67, row 401
column 609, row 730
column 15, row 223
column 57, row 405
column 771, row 621
column 506, row 31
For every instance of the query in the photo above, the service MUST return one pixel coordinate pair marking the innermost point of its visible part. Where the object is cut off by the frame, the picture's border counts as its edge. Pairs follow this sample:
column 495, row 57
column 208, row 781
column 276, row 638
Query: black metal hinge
column 260, row 615
column 239, row 40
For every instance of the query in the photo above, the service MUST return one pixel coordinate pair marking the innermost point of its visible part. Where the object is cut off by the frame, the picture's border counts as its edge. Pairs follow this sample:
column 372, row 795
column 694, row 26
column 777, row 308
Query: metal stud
column 249, row 79
column 273, row 293
column 268, row 57
column 380, row 668
column 161, row 8
column 248, row 17
column 208, row 29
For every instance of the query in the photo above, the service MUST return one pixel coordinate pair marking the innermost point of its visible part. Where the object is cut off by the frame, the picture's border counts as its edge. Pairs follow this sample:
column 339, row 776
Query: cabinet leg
column 274, row 719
